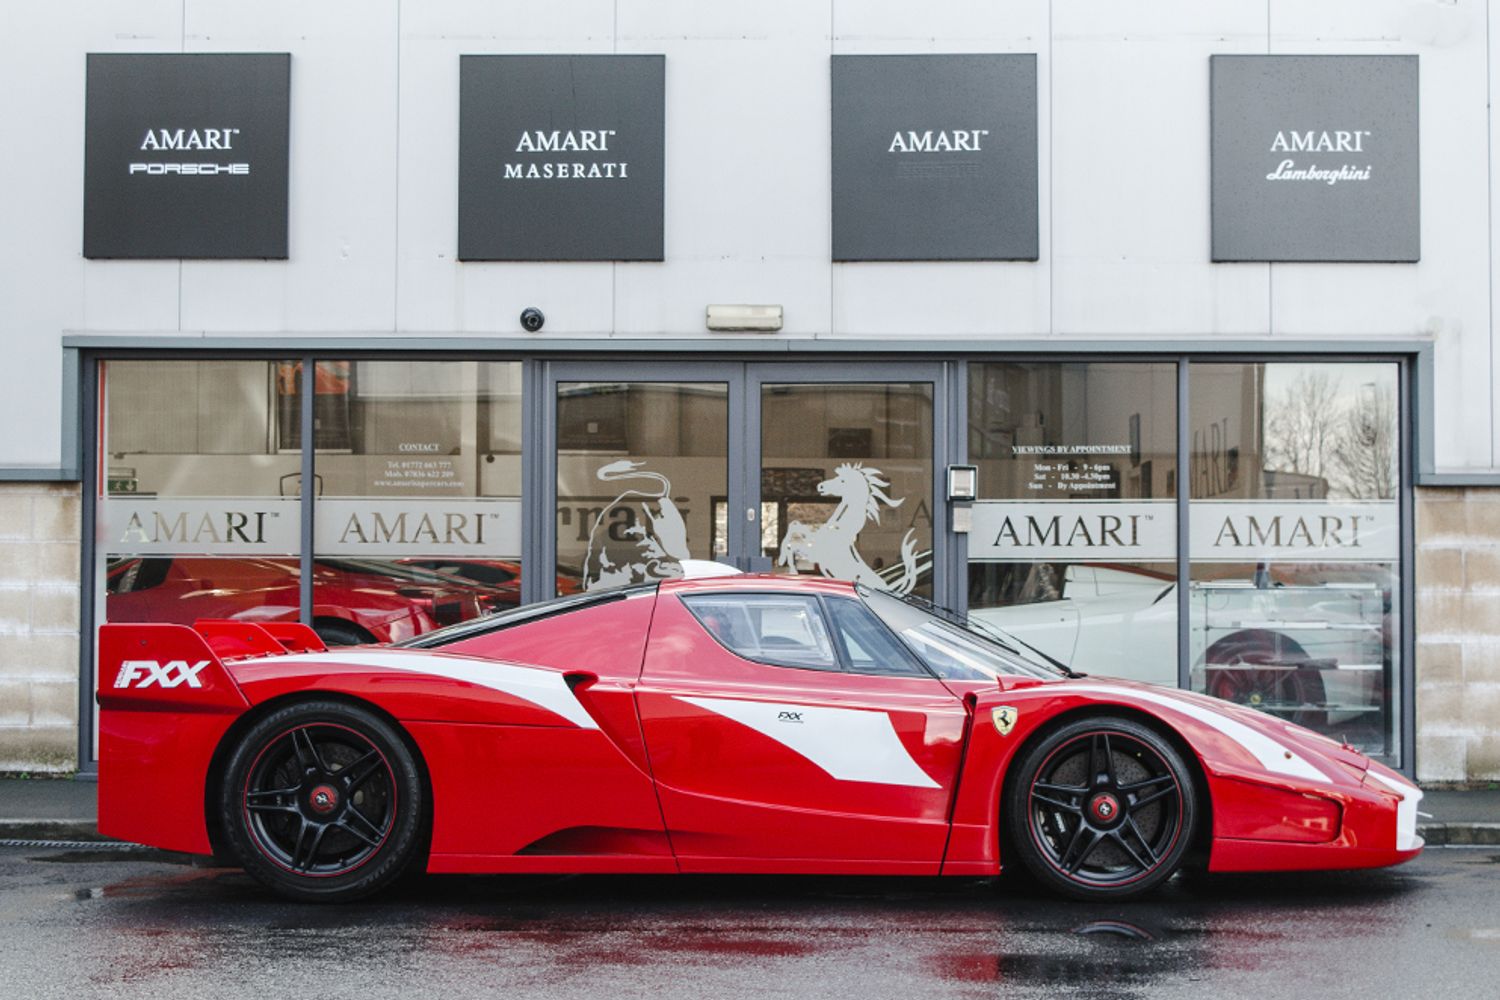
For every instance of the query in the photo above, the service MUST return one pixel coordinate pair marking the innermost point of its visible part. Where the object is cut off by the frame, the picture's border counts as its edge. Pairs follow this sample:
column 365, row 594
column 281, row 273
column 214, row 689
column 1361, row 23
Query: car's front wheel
column 323, row 801
column 1101, row 808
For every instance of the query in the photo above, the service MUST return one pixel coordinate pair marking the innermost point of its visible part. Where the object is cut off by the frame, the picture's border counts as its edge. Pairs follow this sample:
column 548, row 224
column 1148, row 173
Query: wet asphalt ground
column 91, row 923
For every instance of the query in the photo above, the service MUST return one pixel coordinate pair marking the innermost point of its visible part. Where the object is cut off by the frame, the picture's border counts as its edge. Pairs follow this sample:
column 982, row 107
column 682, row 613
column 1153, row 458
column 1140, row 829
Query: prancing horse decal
column 831, row 545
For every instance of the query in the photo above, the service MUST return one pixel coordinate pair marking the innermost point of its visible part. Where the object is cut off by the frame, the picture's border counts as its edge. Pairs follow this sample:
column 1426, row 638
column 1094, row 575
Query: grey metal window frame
column 743, row 378
column 691, row 359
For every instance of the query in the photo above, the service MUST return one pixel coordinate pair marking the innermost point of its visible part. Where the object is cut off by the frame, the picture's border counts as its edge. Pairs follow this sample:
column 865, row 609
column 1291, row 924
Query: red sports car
column 735, row 724
column 354, row 601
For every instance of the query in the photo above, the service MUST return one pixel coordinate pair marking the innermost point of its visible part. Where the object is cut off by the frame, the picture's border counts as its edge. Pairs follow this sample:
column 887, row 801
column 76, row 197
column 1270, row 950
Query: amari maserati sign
column 934, row 157
column 561, row 157
column 186, row 155
column 1315, row 158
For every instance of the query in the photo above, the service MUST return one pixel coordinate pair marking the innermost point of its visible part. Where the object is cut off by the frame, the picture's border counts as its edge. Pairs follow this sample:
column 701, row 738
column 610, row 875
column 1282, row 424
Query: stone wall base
column 1458, row 634
column 39, row 543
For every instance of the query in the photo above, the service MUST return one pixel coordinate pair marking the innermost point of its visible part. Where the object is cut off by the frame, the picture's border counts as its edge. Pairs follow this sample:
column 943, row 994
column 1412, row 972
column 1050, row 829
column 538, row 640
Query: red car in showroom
column 354, row 601
column 728, row 724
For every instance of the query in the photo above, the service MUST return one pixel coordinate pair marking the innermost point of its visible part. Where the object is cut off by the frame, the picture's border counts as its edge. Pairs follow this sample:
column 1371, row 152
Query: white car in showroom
column 1313, row 654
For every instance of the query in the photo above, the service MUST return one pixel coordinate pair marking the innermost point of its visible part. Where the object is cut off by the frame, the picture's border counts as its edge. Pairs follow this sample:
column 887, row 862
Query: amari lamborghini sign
column 1315, row 158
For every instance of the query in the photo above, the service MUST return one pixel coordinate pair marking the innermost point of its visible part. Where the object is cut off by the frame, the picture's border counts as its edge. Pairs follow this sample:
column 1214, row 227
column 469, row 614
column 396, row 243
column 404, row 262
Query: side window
column 867, row 645
column 785, row 630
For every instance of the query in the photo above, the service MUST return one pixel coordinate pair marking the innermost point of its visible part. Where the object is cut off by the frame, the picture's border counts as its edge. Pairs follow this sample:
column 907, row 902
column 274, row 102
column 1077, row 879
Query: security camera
column 532, row 319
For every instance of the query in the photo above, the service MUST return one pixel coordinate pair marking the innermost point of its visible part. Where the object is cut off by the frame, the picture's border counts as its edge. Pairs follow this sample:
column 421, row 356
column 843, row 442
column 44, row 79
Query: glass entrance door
column 846, row 474
column 827, row 470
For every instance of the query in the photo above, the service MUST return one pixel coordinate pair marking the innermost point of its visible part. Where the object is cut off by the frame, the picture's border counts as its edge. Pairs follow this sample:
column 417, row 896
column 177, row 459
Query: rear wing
column 182, row 668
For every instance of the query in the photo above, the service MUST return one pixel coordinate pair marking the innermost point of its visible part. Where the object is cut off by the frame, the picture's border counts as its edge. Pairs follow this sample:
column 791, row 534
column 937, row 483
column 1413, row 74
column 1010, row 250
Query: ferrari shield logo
column 1005, row 719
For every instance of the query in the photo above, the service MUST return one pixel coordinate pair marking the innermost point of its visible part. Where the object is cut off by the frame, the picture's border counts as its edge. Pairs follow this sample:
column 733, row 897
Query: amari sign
column 934, row 157
column 1146, row 531
column 186, row 156
column 561, row 157
column 1315, row 158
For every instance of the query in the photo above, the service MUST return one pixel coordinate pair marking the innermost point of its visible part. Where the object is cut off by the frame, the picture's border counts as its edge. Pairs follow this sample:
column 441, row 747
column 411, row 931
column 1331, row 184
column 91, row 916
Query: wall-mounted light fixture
column 744, row 319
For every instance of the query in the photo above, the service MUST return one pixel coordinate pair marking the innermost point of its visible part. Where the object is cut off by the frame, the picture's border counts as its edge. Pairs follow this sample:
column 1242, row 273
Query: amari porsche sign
column 1315, row 158
column 934, row 157
column 186, row 155
column 561, row 157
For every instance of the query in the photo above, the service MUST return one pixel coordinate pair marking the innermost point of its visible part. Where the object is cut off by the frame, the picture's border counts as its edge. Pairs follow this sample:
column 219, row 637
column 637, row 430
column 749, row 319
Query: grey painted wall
column 1123, row 185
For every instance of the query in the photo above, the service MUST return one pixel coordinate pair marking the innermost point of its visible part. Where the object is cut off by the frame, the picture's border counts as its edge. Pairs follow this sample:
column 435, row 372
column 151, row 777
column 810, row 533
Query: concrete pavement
column 121, row 925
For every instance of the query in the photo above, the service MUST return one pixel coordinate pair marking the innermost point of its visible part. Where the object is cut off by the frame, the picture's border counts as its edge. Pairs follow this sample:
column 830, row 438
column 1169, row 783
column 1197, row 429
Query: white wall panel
column 435, row 292
column 1130, row 155
column 1446, row 295
column 747, row 164
column 989, row 298
column 1445, row 360
column 341, row 237
column 45, row 285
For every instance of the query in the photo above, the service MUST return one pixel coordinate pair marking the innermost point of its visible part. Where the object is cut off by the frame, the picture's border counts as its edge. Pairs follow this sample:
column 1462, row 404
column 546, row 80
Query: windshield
column 957, row 647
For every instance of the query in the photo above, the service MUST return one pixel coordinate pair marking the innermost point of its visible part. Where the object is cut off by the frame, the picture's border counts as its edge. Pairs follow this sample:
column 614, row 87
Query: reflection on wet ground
column 152, row 924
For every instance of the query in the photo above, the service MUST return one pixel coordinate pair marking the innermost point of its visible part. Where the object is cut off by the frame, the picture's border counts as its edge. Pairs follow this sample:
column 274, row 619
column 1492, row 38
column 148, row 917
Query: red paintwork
column 618, row 773
column 265, row 590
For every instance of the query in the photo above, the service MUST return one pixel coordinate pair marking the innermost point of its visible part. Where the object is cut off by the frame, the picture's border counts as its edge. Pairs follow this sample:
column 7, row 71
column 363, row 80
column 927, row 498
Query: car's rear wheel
column 323, row 800
column 339, row 633
column 1102, row 808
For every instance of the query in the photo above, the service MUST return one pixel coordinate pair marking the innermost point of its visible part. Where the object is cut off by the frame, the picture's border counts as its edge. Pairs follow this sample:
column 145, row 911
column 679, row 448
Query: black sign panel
column 186, row 155
column 935, row 157
column 561, row 157
column 1315, row 158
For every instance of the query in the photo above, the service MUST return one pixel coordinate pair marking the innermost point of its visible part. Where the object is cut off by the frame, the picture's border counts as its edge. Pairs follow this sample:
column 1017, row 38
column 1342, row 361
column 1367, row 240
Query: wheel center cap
column 1105, row 808
column 323, row 799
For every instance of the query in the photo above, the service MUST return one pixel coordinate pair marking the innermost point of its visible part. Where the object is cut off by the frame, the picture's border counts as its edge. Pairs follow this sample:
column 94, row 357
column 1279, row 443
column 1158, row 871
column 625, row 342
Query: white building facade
column 1213, row 331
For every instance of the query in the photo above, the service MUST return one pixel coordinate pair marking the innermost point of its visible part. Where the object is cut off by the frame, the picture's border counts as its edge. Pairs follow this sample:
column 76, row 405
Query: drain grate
column 76, row 845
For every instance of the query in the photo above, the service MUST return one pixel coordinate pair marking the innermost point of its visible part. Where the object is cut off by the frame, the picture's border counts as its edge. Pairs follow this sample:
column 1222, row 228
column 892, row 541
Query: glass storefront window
column 1073, row 544
column 197, row 513
column 1293, row 594
column 1295, row 543
column 642, row 468
column 417, row 522
column 846, row 481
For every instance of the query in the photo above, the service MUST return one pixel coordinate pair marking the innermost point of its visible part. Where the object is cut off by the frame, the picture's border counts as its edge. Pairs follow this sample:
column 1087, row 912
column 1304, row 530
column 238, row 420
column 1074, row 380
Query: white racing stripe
column 851, row 744
column 1406, row 812
column 545, row 688
column 1272, row 755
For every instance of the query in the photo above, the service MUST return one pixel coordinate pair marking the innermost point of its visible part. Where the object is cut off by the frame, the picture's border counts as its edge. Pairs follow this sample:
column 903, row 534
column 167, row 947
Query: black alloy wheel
column 323, row 801
column 1102, row 808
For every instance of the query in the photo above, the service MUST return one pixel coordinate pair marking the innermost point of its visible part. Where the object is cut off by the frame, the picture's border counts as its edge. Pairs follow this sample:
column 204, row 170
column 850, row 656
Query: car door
column 789, row 730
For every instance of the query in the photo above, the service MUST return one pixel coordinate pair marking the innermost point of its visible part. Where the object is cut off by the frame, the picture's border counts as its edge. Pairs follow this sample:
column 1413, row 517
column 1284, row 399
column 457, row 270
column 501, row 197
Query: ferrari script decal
column 850, row 744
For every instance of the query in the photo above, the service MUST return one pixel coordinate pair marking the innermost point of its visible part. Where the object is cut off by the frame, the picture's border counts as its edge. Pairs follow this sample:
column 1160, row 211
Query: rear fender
column 165, row 702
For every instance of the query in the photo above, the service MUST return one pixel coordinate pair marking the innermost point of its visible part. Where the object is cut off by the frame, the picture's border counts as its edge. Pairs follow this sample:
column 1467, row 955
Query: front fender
column 1251, row 772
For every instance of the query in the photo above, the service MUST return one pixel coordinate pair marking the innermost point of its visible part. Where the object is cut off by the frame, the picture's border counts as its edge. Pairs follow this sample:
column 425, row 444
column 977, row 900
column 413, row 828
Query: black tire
column 323, row 801
column 340, row 633
column 1101, row 808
